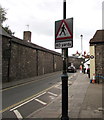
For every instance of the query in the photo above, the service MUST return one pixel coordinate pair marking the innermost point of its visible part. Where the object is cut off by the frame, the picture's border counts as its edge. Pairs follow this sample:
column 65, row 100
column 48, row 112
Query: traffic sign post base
column 64, row 118
column 64, row 78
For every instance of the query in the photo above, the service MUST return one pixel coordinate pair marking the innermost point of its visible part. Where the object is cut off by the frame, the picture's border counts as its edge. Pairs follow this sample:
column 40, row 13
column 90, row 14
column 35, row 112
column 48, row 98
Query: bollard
column 90, row 81
column 93, row 78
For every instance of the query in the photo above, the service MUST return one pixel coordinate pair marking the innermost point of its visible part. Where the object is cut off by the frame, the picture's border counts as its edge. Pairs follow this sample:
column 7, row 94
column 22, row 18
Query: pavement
column 84, row 99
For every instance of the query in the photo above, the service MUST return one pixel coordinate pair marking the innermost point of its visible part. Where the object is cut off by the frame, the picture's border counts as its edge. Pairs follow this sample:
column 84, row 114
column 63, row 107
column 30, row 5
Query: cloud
column 41, row 15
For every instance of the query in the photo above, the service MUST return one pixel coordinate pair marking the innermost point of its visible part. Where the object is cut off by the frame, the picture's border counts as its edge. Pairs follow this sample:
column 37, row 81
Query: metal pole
column 81, row 45
column 64, row 76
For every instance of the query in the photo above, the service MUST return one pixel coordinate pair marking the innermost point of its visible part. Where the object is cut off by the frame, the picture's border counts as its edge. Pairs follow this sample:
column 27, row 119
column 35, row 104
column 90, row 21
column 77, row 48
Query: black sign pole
column 64, row 76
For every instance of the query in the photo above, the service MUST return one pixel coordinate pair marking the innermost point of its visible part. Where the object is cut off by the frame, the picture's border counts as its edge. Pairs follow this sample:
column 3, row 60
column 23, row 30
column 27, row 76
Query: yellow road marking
column 22, row 84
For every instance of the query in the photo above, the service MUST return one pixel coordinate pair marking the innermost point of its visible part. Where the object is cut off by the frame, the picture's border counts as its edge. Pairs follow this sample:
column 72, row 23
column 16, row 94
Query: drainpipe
column 9, row 45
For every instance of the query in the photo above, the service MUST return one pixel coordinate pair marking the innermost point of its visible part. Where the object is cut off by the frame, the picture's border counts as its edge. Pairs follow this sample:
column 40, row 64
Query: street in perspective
column 41, row 83
column 41, row 97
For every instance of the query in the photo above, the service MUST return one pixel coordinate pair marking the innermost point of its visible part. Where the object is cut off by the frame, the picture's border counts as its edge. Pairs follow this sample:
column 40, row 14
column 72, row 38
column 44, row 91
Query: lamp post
column 82, row 50
column 64, row 76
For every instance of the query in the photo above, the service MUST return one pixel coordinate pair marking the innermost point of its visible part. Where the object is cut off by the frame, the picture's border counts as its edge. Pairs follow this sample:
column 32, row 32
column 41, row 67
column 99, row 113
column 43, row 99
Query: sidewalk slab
column 78, row 92
column 92, row 103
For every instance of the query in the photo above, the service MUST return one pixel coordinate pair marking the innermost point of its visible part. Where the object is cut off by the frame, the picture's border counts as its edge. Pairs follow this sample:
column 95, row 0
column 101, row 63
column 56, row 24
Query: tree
column 3, row 19
column 2, row 15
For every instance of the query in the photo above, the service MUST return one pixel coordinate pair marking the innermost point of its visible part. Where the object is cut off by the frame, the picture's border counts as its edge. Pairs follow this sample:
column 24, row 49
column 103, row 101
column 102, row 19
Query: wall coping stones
column 4, row 33
column 32, row 45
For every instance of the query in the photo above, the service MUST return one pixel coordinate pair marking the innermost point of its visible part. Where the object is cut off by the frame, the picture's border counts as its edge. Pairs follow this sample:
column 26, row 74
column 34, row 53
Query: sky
column 41, row 15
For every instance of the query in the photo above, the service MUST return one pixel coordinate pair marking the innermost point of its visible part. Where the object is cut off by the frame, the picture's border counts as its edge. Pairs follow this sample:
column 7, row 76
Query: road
column 21, row 100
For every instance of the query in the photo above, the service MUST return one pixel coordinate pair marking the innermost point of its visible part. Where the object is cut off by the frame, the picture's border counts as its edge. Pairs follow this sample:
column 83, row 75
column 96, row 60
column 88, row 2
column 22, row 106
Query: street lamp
column 81, row 45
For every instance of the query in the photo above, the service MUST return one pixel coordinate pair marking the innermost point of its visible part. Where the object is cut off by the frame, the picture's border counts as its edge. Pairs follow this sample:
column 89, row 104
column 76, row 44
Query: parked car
column 71, row 69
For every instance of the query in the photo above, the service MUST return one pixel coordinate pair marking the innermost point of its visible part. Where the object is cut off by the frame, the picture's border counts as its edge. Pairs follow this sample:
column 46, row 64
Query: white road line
column 41, row 94
column 57, row 86
column 53, row 94
column 22, row 104
column 17, row 113
column 52, row 97
column 27, row 102
column 40, row 101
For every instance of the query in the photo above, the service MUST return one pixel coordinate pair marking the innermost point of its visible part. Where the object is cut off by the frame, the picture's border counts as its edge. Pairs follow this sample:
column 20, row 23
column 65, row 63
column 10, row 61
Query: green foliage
column 2, row 15
column 3, row 19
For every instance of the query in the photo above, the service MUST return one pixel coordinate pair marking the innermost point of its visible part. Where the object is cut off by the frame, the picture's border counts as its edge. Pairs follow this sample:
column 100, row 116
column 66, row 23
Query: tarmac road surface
column 21, row 100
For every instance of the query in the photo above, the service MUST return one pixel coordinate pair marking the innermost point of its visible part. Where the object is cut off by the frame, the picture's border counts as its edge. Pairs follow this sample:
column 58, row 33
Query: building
column 97, row 53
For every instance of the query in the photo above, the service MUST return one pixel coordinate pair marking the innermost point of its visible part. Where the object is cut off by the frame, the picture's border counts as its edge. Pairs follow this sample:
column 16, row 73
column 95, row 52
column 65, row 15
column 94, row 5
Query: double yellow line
column 32, row 81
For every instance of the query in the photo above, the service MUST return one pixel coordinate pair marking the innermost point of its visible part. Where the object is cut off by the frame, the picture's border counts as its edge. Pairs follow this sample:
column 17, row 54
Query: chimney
column 27, row 36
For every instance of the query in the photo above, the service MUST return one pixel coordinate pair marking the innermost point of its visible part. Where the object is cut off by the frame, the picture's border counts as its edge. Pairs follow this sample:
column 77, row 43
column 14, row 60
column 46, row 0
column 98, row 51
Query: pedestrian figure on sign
column 63, row 30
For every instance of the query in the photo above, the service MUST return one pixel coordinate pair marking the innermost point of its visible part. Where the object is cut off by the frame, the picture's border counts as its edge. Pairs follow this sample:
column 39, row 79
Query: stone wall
column 45, row 62
column 22, row 59
column 27, row 60
column 99, row 59
column 5, row 57
column 57, row 63
column 23, row 62
column 76, row 61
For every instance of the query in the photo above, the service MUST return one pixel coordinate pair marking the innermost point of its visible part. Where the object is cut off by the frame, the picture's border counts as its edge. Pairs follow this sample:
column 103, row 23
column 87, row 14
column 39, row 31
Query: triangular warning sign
column 63, row 32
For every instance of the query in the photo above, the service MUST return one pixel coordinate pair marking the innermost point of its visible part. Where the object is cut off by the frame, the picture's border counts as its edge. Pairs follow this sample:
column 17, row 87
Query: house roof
column 98, row 37
column 3, row 32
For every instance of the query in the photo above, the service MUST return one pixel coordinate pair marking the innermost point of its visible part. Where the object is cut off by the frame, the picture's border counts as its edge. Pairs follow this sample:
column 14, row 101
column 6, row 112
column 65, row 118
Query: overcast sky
column 41, row 15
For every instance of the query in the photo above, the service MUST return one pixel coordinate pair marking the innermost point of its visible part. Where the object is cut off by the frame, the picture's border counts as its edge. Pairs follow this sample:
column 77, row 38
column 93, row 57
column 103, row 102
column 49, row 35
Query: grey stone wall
column 27, row 60
column 22, row 59
column 76, row 61
column 99, row 59
column 57, row 63
column 5, row 57
column 23, row 62
column 45, row 62
column 103, row 60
